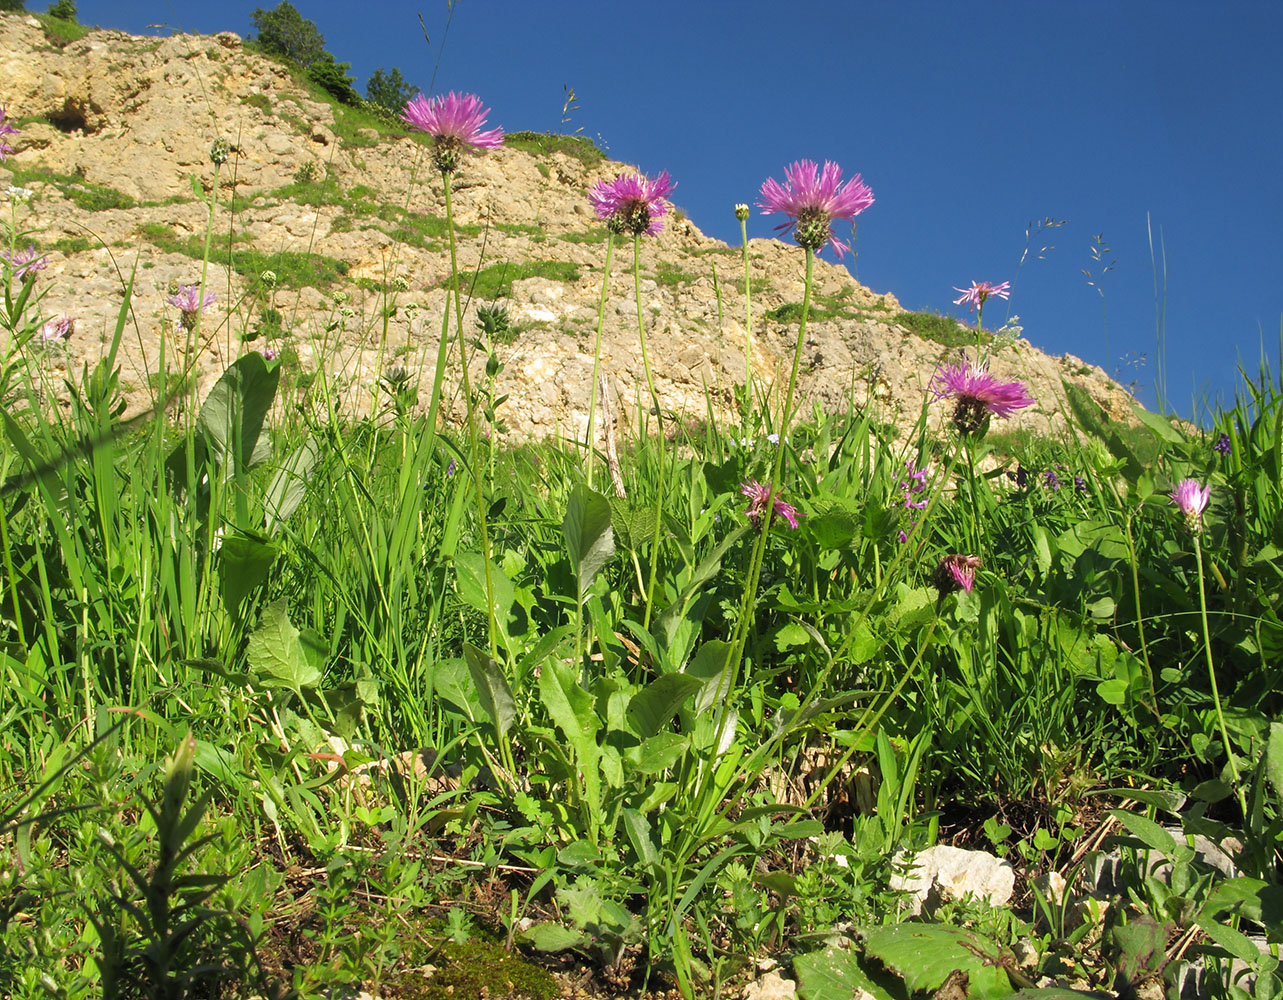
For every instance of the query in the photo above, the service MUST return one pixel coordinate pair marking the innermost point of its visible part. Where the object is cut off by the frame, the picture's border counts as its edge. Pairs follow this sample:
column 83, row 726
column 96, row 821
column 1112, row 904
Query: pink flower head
column 57, row 329
column 812, row 199
column 1192, row 499
column 5, row 129
column 955, row 572
column 979, row 291
column 25, row 263
column 454, row 121
column 187, row 301
column 632, row 203
column 760, row 499
column 977, row 393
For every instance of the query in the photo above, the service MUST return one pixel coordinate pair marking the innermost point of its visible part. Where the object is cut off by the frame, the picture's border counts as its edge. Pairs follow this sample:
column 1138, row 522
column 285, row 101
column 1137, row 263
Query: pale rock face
column 137, row 115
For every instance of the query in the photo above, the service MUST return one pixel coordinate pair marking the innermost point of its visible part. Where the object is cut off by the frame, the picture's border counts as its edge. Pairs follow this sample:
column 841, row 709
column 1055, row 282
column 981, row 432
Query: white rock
column 942, row 873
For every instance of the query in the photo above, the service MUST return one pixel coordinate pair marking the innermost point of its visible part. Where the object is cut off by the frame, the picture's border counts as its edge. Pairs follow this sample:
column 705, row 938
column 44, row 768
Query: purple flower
column 57, row 329
column 1223, row 445
column 955, row 572
column 25, row 263
column 761, row 499
column 5, row 129
column 977, row 393
column 454, row 122
column 912, row 484
column 270, row 353
column 812, row 199
column 632, row 203
column 979, row 291
column 1051, row 479
column 1192, row 499
column 1020, row 477
column 187, row 301
column 1080, row 484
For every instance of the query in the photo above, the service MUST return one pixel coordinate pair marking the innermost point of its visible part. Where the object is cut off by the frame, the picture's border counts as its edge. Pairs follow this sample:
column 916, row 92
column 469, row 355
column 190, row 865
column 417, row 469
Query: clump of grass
column 547, row 143
column 260, row 101
column 61, row 32
column 83, row 194
column 942, row 329
column 671, row 275
column 589, row 238
column 495, row 281
column 293, row 269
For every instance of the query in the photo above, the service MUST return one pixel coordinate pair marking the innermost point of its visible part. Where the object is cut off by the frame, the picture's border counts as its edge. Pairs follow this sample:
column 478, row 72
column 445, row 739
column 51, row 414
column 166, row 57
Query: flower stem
column 590, row 450
column 1211, row 675
column 1140, row 618
column 748, row 328
column 473, row 443
column 659, row 426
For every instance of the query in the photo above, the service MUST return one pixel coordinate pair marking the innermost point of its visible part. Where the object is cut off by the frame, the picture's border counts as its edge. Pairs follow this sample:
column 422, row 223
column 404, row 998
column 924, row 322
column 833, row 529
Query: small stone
column 771, row 986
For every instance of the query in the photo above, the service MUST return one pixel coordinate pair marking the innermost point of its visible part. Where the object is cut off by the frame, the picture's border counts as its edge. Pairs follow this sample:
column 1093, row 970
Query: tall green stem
column 659, row 436
column 1211, row 676
column 590, row 450
column 473, row 441
column 748, row 326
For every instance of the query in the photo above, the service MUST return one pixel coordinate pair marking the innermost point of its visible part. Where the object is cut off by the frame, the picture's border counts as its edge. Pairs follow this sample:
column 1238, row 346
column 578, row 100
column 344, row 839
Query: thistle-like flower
column 632, row 203
column 812, row 199
column 187, row 301
column 454, row 121
column 741, row 212
column 219, row 150
column 57, row 329
column 1192, row 500
column 5, row 129
column 955, row 572
column 979, row 291
column 977, row 394
column 761, row 499
column 25, row 263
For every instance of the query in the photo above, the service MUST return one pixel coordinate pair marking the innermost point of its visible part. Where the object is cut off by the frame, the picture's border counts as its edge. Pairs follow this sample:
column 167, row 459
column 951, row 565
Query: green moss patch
column 547, row 143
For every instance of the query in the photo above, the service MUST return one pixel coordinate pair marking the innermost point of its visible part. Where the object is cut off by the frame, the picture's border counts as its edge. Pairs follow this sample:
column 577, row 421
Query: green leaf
column 574, row 713
column 470, row 578
column 1158, row 424
column 835, row 974
column 651, row 708
column 1167, row 799
column 448, row 684
column 289, row 485
column 492, row 687
column 243, row 562
column 590, row 539
column 711, row 664
column 660, row 752
column 1274, row 757
column 637, row 827
column 276, row 654
column 925, row 955
column 233, row 413
column 1148, row 832
column 547, row 936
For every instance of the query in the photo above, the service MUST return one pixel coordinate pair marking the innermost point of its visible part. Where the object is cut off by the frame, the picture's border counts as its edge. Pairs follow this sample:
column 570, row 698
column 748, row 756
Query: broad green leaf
column 243, row 562
column 449, row 684
column 924, row 956
column 470, row 578
column 1145, row 830
column 547, row 936
column 574, row 713
column 637, row 827
column 590, row 539
column 277, row 655
column 651, row 708
column 660, row 752
column 289, row 485
column 1274, row 757
column 711, row 664
column 1167, row 799
column 1159, row 425
column 492, row 687
column 835, row 974
column 233, row 413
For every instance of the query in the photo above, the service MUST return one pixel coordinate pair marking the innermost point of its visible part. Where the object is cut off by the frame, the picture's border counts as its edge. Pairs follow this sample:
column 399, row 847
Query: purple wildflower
column 5, row 129
column 187, row 301
column 1051, row 479
column 979, row 291
column 761, row 498
column 270, row 353
column 25, row 263
column 1020, row 477
column 454, row 122
column 632, row 203
column 1192, row 500
column 1080, row 484
column 1223, row 445
column 955, row 572
column 913, row 483
column 977, row 393
column 812, row 199
column 57, row 329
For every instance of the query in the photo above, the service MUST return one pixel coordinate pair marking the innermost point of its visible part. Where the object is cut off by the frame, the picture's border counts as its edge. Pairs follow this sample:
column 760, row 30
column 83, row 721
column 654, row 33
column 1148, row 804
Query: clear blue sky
column 967, row 120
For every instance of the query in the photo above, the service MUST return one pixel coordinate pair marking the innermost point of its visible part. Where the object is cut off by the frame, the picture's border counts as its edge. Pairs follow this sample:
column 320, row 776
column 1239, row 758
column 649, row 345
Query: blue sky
column 967, row 120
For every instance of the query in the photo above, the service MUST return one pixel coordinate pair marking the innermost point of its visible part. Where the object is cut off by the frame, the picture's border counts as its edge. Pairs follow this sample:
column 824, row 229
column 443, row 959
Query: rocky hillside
column 344, row 208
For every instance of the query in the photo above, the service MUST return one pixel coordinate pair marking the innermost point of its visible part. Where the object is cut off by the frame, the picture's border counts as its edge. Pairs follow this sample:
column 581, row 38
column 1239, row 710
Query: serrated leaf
column 925, row 955
column 547, row 936
column 276, row 654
